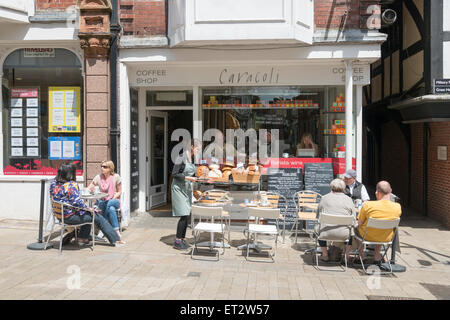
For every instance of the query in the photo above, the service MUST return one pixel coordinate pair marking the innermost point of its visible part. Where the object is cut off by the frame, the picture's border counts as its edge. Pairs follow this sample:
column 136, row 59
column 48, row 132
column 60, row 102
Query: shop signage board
column 134, row 152
column 24, row 123
column 286, row 181
column 169, row 75
column 64, row 148
column 64, row 109
column 442, row 86
column 39, row 52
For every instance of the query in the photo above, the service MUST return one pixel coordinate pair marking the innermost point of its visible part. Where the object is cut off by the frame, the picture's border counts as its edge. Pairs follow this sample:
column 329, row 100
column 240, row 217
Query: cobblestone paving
column 147, row 267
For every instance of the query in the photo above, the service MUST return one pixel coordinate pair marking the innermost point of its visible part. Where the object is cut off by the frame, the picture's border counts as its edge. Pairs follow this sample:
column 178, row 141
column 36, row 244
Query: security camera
column 388, row 17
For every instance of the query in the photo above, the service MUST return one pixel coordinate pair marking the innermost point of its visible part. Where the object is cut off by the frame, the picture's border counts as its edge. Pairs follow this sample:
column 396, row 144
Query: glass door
column 157, row 159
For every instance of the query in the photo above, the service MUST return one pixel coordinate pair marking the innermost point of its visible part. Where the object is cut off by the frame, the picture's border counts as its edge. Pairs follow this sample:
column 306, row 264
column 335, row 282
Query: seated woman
column 110, row 183
column 306, row 142
column 65, row 189
column 337, row 203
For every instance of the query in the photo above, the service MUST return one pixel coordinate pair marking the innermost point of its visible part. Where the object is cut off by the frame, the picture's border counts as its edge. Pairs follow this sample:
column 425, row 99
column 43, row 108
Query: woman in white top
column 110, row 183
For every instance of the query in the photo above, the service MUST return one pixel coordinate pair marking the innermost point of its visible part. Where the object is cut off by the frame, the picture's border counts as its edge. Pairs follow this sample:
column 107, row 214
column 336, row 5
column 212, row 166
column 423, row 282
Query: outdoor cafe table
column 211, row 243
column 94, row 196
column 90, row 197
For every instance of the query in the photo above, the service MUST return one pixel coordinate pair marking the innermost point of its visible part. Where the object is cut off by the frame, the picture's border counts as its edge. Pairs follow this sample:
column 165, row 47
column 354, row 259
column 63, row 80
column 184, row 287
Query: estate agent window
column 42, row 111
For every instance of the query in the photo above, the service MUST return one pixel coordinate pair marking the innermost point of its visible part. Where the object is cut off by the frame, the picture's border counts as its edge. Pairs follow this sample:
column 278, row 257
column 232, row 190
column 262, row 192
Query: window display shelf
column 258, row 106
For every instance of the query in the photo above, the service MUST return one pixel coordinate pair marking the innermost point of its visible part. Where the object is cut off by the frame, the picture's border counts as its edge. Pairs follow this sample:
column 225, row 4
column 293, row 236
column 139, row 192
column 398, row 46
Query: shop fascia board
column 36, row 32
column 7, row 47
column 218, row 55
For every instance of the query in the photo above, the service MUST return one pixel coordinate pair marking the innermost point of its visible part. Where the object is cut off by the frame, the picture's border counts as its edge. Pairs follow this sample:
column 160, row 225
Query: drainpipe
column 114, row 131
column 426, row 128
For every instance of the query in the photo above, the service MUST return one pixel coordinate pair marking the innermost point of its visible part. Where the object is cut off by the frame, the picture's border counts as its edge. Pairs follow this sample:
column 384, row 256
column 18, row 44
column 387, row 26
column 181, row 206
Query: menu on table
column 24, row 122
column 287, row 182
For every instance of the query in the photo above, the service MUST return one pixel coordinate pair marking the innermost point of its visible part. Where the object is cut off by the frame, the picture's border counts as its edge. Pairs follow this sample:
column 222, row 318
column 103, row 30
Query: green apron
column 182, row 193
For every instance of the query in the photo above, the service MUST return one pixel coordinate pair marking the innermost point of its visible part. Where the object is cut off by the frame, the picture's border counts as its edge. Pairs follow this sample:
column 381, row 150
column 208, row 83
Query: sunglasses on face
column 105, row 167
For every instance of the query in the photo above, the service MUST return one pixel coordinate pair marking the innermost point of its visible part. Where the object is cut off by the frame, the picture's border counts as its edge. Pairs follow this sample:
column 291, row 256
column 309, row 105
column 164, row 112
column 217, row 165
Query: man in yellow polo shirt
column 383, row 209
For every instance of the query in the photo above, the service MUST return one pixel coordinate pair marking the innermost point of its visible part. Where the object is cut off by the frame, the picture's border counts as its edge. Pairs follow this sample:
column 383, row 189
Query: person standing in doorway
column 183, row 174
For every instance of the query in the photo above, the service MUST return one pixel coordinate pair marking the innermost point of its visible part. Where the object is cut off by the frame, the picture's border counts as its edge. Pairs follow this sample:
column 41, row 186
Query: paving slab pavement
column 148, row 267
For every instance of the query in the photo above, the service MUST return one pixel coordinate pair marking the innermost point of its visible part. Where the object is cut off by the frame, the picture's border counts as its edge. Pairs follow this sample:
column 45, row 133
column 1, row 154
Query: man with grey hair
column 383, row 209
column 337, row 203
column 355, row 189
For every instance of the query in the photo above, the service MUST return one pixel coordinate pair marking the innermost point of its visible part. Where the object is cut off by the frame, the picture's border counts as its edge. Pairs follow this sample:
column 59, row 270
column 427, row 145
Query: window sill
column 26, row 178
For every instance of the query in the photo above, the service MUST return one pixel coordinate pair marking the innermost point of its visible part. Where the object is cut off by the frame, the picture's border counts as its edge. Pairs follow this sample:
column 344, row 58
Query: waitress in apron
column 183, row 175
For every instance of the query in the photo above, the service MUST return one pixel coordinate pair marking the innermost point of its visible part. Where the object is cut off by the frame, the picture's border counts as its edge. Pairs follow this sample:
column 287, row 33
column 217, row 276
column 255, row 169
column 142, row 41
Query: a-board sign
column 286, row 181
column 318, row 177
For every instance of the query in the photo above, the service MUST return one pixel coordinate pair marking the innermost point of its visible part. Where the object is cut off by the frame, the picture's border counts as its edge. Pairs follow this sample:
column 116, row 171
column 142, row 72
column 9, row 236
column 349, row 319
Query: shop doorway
column 160, row 126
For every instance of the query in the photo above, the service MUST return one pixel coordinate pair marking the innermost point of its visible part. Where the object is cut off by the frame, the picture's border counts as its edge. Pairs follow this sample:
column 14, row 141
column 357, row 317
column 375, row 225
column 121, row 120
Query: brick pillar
column 95, row 37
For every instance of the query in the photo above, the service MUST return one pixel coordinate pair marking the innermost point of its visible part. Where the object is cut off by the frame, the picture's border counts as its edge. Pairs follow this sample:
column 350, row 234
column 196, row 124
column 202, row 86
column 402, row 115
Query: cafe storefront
column 291, row 93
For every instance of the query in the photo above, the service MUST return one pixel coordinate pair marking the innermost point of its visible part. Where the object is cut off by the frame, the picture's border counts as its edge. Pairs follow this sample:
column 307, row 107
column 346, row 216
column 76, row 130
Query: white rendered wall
column 446, row 14
column 16, row 11
column 13, row 205
column 446, row 60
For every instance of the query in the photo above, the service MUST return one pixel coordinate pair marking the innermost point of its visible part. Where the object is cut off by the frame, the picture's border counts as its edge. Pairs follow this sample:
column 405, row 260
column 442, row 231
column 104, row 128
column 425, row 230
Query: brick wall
column 42, row 5
column 439, row 174
column 143, row 18
column 329, row 14
column 417, row 167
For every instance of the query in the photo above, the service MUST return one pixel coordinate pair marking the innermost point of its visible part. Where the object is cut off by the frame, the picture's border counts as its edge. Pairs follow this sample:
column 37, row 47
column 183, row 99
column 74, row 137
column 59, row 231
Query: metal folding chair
column 58, row 219
column 274, row 199
column 338, row 221
column 211, row 227
column 217, row 194
column 256, row 228
column 381, row 225
column 307, row 205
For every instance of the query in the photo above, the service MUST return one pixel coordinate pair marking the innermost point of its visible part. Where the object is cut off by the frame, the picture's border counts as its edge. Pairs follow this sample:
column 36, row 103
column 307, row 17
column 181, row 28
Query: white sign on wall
column 39, row 52
column 158, row 75
column 442, row 153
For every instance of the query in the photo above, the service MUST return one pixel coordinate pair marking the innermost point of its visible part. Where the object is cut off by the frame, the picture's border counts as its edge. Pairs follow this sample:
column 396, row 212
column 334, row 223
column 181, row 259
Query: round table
column 93, row 196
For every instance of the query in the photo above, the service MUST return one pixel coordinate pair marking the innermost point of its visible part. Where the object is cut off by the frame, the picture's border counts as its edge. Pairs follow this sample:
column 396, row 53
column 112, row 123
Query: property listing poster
column 64, row 109
column 64, row 148
column 24, row 122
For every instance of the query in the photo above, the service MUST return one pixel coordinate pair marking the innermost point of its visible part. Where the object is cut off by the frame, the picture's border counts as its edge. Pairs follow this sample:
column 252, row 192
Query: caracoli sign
column 168, row 75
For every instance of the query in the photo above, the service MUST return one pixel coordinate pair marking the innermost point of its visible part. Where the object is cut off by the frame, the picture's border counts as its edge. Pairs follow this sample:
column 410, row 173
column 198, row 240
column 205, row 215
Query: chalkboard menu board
column 134, row 143
column 318, row 177
column 286, row 181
